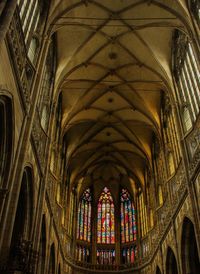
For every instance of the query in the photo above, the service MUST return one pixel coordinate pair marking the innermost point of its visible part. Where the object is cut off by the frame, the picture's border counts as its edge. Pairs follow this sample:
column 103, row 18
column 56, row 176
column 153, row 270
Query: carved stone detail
column 23, row 257
column 23, row 69
column 40, row 139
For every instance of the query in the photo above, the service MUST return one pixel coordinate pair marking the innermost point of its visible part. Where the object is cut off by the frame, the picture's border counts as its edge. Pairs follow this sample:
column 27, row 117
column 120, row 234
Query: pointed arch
column 128, row 217
column 189, row 251
column 42, row 248
column 158, row 271
column 105, row 218
column 23, row 223
column 59, row 269
column 84, row 216
column 52, row 263
column 6, row 138
column 171, row 263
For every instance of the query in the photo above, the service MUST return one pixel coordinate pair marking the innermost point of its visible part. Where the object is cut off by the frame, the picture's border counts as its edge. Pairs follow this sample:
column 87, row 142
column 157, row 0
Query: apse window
column 84, row 217
column 105, row 218
column 128, row 219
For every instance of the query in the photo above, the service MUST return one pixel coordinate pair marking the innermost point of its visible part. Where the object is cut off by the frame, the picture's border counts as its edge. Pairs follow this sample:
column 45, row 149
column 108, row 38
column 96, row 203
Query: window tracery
column 30, row 13
column 104, row 224
column 187, row 75
column 84, row 217
column 105, row 218
column 128, row 218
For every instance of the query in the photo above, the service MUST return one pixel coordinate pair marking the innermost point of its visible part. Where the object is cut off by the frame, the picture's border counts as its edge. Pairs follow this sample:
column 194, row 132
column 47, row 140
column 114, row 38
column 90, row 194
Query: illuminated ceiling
column 114, row 65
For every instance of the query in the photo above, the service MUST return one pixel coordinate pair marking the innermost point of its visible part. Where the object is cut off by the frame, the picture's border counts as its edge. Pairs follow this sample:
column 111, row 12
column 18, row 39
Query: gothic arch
column 171, row 263
column 189, row 251
column 42, row 248
column 158, row 271
column 52, row 263
column 6, row 138
column 23, row 224
column 59, row 269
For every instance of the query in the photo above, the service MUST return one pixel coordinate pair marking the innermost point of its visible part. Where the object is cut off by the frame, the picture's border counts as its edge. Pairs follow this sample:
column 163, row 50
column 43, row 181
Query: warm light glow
column 105, row 222
column 84, row 217
column 128, row 219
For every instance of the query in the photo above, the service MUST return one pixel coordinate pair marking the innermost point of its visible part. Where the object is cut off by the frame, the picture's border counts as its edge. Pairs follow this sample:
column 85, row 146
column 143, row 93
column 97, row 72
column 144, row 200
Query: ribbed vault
column 114, row 65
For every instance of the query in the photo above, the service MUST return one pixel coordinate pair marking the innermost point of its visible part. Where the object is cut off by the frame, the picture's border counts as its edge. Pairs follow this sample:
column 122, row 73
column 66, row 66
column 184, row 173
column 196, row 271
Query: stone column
column 7, row 9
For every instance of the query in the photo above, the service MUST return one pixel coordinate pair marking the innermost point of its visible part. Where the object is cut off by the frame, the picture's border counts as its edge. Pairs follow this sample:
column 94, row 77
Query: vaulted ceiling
column 114, row 65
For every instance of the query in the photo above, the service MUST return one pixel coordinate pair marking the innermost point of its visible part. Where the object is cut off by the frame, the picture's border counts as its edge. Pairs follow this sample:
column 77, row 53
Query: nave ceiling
column 113, row 69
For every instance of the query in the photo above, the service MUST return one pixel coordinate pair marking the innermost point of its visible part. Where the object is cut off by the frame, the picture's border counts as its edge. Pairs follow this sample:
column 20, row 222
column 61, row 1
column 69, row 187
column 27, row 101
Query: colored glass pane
column 105, row 218
column 84, row 217
column 128, row 254
column 106, row 256
column 128, row 220
column 83, row 253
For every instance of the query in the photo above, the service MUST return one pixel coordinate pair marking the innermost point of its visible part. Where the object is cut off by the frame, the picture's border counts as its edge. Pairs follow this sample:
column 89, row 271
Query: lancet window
column 187, row 75
column 105, row 218
column 128, row 218
column 84, row 217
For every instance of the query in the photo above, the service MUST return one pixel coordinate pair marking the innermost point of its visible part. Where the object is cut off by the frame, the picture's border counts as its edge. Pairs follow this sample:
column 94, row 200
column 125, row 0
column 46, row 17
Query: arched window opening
column 20, row 241
column 190, row 258
column 42, row 248
column 52, row 260
column 6, row 128
column 105, row 218
column 128, row 218
column 59, row 269
column 187, row 76
column 84, row 217
column 171, row 264
column 31, row 15
column 158, row 270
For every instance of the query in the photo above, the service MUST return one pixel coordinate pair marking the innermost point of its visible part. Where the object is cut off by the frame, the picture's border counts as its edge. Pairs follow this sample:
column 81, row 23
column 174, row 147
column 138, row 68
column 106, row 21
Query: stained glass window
column 105, row 222
column 83, row 253
column 129, row 254
column 105, row 256
column 84, row 217
column 128, row 218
